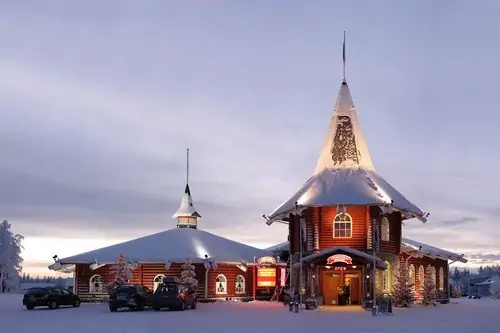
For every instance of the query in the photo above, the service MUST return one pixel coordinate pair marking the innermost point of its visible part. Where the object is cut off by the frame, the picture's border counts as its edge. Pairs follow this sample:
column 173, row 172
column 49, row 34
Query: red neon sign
column 339, row 258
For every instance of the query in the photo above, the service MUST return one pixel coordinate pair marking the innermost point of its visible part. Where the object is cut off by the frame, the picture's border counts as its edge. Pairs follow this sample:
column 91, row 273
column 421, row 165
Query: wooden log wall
column 145, row 274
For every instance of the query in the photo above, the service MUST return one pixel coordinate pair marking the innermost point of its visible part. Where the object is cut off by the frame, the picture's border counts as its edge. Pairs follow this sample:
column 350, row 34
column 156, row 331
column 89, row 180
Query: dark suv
column 132, row 296
column 53, row 297
column 174, row 296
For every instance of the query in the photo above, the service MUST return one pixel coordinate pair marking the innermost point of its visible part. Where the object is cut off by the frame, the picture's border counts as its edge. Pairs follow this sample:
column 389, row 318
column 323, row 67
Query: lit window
column 385, row 229
column 433, row 275
column 421, row 276
column 157, row 281
column 411, row 272
column 441, row 278
column 342, row 226
column 386, row 278
column 96, row 285
column 240, row 285
column 221, row 284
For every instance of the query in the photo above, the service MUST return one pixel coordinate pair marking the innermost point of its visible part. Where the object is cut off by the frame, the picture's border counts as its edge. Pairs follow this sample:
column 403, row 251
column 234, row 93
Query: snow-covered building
column 345, row 219
column 224, row 268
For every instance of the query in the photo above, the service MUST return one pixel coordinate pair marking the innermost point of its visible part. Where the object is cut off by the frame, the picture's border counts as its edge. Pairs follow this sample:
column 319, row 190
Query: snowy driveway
column 468, row 317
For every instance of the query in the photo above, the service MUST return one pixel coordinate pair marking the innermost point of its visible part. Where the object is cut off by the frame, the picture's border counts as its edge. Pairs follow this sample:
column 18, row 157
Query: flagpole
column 343, row 59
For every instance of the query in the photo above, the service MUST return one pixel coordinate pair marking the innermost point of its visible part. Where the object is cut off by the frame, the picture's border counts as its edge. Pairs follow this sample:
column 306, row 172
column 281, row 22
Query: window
column 421, row 276
column 433, row 275
column 441, row 278
column 411, row 272
column 386, row 278
column 157, row 281
column 240, row 285
column 96, row 285
column 342, row 226
column 385, row 229
column 65, row 291
column 221, row 284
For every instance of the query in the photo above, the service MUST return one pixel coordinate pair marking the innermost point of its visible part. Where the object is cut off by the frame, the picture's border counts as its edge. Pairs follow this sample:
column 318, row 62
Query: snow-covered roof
column 344, row 173
column 416, row 248
column 187, row 208
column 174, row 245
column 281, row 247
column 380, row 263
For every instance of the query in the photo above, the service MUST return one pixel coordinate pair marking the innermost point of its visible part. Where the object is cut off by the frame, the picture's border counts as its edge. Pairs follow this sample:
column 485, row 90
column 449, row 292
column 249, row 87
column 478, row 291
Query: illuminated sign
column 340, row 268
column 266, row 277
column 262, row 261
column 283, row 277
column 339, row 258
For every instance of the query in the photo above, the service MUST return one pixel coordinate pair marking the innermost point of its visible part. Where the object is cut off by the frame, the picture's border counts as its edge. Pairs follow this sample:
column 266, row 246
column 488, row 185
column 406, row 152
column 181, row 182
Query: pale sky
column 99, row 99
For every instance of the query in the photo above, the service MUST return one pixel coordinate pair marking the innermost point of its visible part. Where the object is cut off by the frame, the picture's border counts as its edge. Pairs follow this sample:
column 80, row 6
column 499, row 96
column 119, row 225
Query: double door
column 331, row 281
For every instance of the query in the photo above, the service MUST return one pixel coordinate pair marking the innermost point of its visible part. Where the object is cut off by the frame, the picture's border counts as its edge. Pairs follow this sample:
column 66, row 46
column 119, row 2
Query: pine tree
column 188, row 274
column 10, row 257
column 402, row 292
column 121, row 271
column 428, row 288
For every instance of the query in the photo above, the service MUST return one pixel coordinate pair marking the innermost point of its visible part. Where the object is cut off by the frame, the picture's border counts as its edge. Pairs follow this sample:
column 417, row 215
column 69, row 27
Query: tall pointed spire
column 343, row 60
column 186, row 215
column 344, row 145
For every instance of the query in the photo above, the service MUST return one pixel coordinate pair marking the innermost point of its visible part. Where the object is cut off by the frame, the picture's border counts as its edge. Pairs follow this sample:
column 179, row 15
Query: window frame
column 385, row 230
column 342, row 218
column 223, row 283
column 92, row 289
column 441, row 279
column 156, row 284
column 243, row 285
column 412, row 276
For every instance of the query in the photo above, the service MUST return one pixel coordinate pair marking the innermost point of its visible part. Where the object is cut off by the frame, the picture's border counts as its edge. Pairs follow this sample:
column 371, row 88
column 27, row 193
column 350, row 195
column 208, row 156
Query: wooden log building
column 346, row 219
column 225, row 269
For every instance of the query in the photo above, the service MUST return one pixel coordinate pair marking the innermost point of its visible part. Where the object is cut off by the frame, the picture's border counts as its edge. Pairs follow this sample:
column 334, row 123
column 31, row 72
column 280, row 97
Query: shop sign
column 336, row 258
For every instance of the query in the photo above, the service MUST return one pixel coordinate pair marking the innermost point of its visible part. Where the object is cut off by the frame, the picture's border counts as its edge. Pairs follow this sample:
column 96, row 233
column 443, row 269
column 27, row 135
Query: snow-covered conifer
column 188, row 274
column 428, row 287
column 402, row 292
column 10, row 257
column 121, row 271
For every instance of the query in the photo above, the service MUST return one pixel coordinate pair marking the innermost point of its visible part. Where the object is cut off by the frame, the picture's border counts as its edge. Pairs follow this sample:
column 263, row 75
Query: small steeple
column 186, row 215
column 344, row 145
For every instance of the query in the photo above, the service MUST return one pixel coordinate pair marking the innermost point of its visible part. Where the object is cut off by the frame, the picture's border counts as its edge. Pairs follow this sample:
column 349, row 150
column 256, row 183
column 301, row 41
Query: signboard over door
column 336, row 258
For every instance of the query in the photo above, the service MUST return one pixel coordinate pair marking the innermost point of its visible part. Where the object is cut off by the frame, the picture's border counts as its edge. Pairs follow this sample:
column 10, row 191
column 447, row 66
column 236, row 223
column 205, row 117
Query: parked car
column 475, row 296
column 173, row 295
column 132, row 296
column 53, row 297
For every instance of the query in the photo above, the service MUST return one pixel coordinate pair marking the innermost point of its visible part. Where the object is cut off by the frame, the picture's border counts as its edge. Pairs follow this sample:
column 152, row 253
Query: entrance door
column 331, row 281
column 353, row 280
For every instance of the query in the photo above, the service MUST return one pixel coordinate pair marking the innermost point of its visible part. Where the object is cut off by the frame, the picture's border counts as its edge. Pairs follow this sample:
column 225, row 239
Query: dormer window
column 342, row 226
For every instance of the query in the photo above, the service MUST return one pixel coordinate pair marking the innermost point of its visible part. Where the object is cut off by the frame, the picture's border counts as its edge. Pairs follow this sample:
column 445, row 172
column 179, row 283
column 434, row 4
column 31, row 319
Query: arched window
column 386, row 278
column 96, row 285
column 342, row 226
column 240, row 285
column 441, row 278
column 421, row 276
column 385, row 229
column 433, row 275
column 157, row 281
column 221, row 284
column 411, row 273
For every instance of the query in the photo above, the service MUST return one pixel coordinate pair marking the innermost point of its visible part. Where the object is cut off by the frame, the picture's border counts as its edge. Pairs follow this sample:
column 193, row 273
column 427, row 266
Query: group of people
column 344, row 294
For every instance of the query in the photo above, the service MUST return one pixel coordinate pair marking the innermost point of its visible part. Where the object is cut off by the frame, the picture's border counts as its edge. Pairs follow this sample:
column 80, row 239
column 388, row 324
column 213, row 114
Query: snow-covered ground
column 468, row 316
